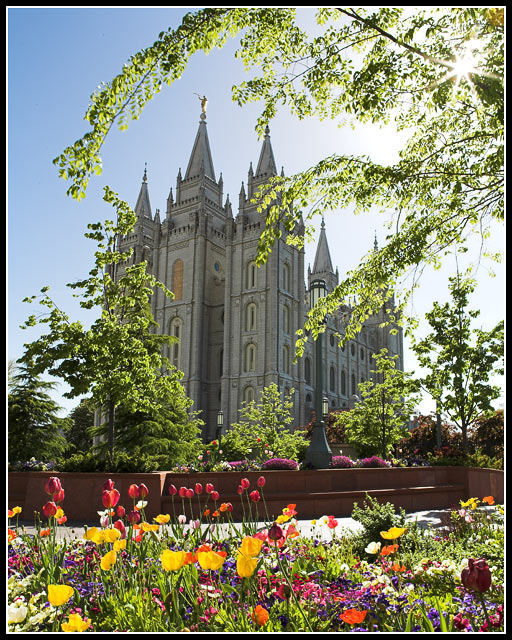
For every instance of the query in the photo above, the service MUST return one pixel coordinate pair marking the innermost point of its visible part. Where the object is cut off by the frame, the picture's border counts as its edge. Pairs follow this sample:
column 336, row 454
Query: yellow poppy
column 59, row 594
column 173, row 560
column 251, row 546
column 282, row 519
column 472, row 502
column 108, row 560
column 14, row 512
column 111, row 535
column 393, row 533
column 90, row 533
column 162, row 519
column 211, row 559
column 145, row 526
column 245, row 565
column 60, row 512
column 75, row 623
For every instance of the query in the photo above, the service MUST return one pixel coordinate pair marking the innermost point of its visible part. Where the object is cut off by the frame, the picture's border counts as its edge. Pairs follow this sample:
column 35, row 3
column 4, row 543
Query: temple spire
column 143, row 206
column 200, row 162
column 266, row 163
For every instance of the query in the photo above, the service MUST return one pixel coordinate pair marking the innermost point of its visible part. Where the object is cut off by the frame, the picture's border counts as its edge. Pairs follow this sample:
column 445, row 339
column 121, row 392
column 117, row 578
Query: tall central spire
column 266, row 163
column 201, row 158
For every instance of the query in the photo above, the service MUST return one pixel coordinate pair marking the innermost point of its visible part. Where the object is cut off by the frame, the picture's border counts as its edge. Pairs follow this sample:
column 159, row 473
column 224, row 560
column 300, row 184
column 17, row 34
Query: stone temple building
column 236, row 322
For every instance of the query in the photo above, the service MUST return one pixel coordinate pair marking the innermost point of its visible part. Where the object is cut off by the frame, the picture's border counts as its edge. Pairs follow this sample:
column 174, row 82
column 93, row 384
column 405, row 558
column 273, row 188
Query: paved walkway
column 424, row 519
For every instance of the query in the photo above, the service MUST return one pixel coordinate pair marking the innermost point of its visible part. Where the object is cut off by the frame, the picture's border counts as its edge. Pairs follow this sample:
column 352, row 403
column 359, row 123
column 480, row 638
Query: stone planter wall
column 315, row 492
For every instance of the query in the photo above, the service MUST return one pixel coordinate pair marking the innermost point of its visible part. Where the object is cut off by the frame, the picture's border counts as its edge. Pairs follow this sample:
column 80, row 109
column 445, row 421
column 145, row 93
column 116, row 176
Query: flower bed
column 175, row 573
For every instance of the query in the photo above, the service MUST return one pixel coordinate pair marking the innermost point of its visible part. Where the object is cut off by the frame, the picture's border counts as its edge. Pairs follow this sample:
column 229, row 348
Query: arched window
column 307, row 370
column 332, row 379
column 175, row 351
column 251, row 275
column 250, row 317
column 353, row 383
column 248, row 394
column 177, row 279
column 286, row 277
column 286, row 319
column 286, row 358
column 250, row 357
column 343, row 383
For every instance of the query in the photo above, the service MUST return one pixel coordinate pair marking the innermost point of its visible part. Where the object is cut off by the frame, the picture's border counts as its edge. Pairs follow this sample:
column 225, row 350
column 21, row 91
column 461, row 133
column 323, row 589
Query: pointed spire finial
column 375, row 244
column 145, row 176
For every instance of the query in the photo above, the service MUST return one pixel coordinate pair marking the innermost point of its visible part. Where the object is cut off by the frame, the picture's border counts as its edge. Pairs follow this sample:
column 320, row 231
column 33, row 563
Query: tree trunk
column 111, row 427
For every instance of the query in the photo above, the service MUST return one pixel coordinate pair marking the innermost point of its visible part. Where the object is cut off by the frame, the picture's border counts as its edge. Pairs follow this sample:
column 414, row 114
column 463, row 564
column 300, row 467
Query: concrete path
column 424, row 518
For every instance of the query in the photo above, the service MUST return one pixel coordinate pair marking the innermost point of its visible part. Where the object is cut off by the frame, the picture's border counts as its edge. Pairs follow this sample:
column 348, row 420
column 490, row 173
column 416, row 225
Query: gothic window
column 175, row 330
column 286, row 319
column 250, row 318
column 332, row 379
column 343, row 383
column 286, row 277
column 353, row 383
column 361, row 353
column 251, row 275
column 353, row 349
column 250, row 357
column 177, row 279
column 248, row 394
column 286, row 359
column 307, row 370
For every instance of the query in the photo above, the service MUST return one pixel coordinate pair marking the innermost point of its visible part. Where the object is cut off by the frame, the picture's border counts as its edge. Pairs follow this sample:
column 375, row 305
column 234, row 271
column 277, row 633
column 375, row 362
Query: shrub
column 280, row 463
column 121, row 463
column 374, row 461
column 342, row 462
column 376, row 517
column 32, row 465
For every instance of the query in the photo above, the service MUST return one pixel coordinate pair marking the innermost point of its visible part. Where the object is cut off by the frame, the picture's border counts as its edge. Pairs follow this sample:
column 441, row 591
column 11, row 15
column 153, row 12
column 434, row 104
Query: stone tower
column 236, row 322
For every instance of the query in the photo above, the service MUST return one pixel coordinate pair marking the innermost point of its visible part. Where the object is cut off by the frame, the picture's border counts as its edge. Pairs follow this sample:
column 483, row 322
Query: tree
column 264, row 426
column 436, row 72
column 82, row 420
column 460, row 360
column 119, row 358
column 34, row 427
column 380, row 420
column 169, row 432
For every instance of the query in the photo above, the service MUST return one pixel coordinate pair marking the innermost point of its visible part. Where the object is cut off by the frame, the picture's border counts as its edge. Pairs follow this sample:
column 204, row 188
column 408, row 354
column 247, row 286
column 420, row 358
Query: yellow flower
column 111, row 535
column 60, row 512
column 90, row 533
column 145, row 526
column 210, row 559
column 173, row 560
column 162, row 519
column 251, row 546
column 245, row 565
column 119, row 545
column 59, row 594
column 282, row 519
column 14, row 512
column 393, row 533
column 108, row 560
column 472, row 502
column 75, row 623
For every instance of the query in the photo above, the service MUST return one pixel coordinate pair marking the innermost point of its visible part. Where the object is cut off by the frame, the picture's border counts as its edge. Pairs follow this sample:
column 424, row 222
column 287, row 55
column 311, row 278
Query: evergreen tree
column 34, row 427
column 82, row 421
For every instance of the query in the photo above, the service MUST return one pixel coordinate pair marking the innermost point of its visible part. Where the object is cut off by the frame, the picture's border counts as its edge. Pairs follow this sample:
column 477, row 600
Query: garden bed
column 315, row 492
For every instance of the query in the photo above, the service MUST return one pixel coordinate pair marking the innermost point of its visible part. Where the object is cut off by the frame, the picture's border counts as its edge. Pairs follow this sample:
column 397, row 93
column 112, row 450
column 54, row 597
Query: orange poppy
column 216, row 513
column 488, row 499
column 10, row 535
column 223, row 507
column 44, row 532
column 397, row 567
column 386, row 551
column 206, row 512
column 260, row 615
column 353, row 616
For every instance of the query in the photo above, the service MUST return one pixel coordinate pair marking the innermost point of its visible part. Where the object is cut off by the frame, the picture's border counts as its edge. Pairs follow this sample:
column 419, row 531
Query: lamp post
column 318, row 454
column 220, row 423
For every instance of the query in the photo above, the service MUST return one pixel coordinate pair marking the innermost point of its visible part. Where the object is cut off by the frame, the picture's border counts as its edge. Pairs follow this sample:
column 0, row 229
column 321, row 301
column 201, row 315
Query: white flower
column 141, row 504
column 16, row 614
column 182, row 519
column 373, row 547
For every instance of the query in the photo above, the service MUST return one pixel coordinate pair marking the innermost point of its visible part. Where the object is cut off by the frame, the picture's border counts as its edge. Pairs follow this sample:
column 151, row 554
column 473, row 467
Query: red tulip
column 121, row 511
column 143, row 491
column 476, row 575
column 59, row 497
column 255, row 496
column 209, row 487
column 172, row 490
column 119, row 525
column 189, row 493
column 49, row 509
column 215, row 495
column 52, row 486
column 108, row 485
column 275, row 532
column 260, row 482
column 183, row 492
column 133, row 517
column 229, row 506
column 198, row 488
column 240, row 490
column 244, row 483
column 110, row 498
column 133, row 491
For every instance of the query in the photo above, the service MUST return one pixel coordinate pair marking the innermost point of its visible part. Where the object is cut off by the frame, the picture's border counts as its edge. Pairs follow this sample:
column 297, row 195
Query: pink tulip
column 255, row 496
column 52, row 486
column 245, row 483
column 50, row 509
column 215, row 495
column 110, row 498
column 119, row 525
column 133, row 517
column 209, row 487
column 133, row 491
column 143, row 491
column 198, row 488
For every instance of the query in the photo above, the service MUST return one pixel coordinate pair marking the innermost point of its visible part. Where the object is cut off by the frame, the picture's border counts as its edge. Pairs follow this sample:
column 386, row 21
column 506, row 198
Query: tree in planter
column 489, row 433
column 460, row 360
column 119, row 358
column 380, row 420
column 168, row 433
column 82, row 420
column 34, row 428
column 264, row 426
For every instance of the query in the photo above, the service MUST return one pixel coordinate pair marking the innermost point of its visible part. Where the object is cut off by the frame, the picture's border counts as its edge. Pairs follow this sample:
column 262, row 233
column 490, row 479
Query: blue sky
column 56, row 59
